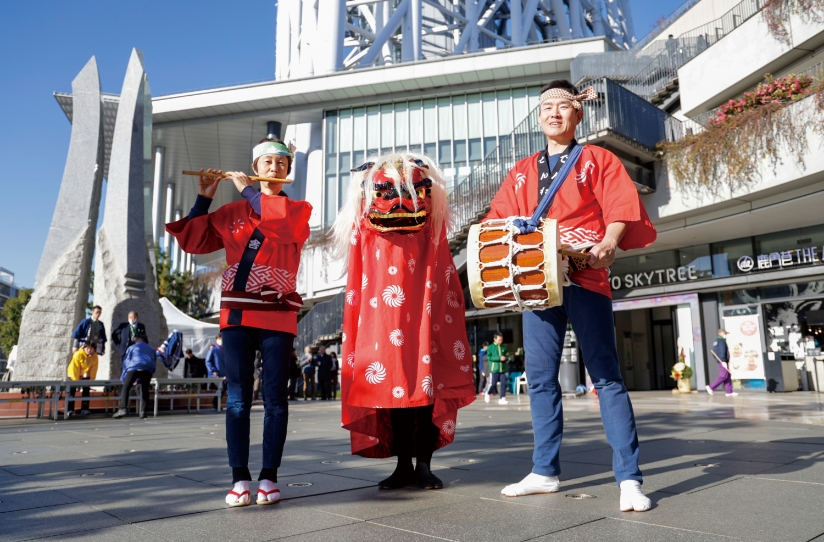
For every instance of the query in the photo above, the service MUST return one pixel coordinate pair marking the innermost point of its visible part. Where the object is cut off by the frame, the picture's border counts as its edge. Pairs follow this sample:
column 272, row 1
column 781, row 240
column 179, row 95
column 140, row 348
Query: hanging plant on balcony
column 728, row 155
column 776, row 13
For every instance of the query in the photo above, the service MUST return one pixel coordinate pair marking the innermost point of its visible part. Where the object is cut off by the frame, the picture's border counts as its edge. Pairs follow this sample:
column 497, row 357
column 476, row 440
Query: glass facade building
column 457, row 131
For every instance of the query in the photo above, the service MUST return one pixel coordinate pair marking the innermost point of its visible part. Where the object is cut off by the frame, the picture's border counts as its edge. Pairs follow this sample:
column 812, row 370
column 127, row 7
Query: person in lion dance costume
column 406, row 367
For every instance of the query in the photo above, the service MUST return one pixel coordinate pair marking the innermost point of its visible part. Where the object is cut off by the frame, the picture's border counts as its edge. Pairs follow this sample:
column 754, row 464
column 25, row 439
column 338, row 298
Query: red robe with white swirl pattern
column 404, row 337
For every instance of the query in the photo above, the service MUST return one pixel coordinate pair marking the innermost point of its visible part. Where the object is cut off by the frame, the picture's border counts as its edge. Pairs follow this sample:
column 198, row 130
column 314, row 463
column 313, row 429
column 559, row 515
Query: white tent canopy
column 197, row 335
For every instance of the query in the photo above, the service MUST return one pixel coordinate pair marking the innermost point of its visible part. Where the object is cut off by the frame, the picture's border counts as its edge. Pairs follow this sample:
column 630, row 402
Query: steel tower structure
column 317, row 37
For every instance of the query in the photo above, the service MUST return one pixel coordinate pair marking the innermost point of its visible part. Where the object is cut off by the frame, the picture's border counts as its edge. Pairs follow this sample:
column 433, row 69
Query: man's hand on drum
column 603, row 254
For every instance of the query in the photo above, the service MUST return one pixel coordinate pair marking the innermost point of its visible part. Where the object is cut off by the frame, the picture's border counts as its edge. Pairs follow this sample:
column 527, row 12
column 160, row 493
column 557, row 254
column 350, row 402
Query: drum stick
column 223, row 176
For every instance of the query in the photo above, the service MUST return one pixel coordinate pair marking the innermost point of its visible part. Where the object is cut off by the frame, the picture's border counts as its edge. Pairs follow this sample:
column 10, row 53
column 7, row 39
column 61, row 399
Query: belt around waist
column 264, row 301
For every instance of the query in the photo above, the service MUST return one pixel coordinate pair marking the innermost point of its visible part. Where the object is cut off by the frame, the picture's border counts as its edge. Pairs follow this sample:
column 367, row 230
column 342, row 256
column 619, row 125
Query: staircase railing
column 324, row 322
column 662, row 71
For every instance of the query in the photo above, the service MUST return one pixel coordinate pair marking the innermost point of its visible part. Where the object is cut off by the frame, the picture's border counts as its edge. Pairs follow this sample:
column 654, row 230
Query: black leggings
column 145, row 381
column 413, row 433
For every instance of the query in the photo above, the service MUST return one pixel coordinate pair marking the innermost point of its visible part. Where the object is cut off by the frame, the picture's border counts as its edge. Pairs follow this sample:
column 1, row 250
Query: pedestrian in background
column 323, row 362
column 91, row 331
column 193, row 366
column 307, row 367
column 126, row 334
column 258, row 376
column 139, row 363
column 496, row 355
column 483, row 372
column 333, row 378
column 216, row 367
column 294, row 375
column 82, row 367
column 722, row 355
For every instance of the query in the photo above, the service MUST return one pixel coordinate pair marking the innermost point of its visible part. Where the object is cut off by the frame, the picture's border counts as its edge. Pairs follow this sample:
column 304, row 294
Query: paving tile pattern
column 717, row 469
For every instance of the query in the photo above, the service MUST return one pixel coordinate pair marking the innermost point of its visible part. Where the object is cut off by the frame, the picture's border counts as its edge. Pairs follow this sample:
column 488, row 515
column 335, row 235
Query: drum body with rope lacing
column 514, row 271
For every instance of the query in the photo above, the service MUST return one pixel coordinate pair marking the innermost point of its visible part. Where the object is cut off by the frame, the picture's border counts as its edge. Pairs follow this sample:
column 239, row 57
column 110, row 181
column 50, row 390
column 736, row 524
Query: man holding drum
column 596, row 205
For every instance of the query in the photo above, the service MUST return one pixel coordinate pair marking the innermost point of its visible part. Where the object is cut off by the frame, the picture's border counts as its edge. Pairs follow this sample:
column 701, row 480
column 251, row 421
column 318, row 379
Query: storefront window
column 726, row 256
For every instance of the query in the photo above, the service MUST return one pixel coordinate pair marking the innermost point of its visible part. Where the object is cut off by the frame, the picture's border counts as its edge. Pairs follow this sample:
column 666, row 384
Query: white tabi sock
column 239, row 495
column 531, row 485
column 632, row 498
column 267, row 492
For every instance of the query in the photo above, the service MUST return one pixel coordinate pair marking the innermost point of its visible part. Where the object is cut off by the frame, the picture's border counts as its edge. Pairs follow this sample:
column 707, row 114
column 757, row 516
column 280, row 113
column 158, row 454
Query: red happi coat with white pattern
column 597, row 192
column 404, row 337
column 284, row 224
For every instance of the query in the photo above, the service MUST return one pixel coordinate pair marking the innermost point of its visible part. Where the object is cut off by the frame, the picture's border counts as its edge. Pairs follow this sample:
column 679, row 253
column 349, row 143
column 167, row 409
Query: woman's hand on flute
column 207, row 186
column 240, row 179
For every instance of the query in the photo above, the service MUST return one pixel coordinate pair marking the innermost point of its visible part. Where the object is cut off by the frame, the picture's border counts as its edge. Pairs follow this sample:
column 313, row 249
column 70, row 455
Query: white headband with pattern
column 563, row 94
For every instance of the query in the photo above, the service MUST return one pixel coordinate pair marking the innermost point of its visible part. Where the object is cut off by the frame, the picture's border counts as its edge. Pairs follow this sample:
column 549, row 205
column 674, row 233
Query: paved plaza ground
column 716, row 468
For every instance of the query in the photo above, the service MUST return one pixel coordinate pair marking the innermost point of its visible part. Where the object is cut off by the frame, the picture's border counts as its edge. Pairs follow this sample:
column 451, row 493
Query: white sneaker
column 709, row 390
column 503, row 401
column 733, row 394
column 486, row 398
column 632, row 499
column 531, row 485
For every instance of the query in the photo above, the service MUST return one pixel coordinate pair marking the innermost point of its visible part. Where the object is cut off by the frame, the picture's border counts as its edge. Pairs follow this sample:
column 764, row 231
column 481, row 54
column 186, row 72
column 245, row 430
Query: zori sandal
column 244, row 498
column 268, row 497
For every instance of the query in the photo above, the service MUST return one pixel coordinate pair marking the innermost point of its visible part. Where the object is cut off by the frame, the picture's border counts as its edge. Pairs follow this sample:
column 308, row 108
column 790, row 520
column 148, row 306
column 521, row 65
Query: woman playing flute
column 263, row 235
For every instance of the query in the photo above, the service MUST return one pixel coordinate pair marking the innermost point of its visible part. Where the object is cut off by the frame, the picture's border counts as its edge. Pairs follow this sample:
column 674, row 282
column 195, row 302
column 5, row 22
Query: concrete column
column 559, row 10
column 329, row 56
column 187, row 267
column 176, row 251
column 575, row 13
column 415, row 10
column 157, row 196
column 170, row 201
column 282, row 41
column 515, row 14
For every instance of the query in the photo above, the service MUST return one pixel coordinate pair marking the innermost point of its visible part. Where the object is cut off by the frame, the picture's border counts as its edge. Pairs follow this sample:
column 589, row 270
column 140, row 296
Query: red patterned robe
column 597, row 192
column 284, row 224
column 404, row 337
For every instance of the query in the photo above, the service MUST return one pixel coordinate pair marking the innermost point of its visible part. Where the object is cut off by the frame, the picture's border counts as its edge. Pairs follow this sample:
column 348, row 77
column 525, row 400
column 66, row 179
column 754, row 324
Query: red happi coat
column 596, row 193
column 284, row 224
column 404, row 337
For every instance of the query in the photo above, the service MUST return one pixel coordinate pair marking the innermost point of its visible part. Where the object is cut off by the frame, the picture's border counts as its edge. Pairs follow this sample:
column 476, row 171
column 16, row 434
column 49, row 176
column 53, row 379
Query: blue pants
column 494, row 379
column 240, row 344
column 591, row 316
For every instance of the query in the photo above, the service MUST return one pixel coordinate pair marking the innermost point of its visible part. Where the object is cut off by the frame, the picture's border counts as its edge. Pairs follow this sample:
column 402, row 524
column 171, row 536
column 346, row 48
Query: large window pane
column 373, row 127
column 458, row 118
column 475, row 150
column 431, row 150
column 725, row 256
column 346, row 130
column 331, row 131
column 387, row 129
column 490, row 143
column 504, row 113
column 401, row 126
column 698, row 258
column 415, row 123
column 359, row 137
column 444, row 119
column 490, row 114
column 519, row 105
column 331, row 200
column 445, row 153
column 430, row 121
column 534, row 94
column 474, row 116
column 460, row 153
column 357, row 158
